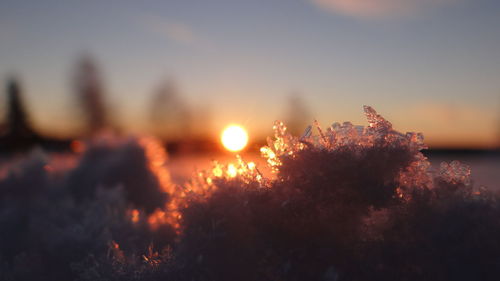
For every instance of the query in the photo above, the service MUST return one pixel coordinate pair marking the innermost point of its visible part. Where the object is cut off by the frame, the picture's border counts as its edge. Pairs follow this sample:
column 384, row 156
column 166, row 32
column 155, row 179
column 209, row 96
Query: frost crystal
column 455, row 173
column 284, row 144
column 379, row 132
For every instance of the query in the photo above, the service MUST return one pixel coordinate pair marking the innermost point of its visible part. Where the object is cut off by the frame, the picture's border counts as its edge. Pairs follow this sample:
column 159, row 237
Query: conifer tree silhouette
column 18, row 125
column 90, row 93
column 17, row 133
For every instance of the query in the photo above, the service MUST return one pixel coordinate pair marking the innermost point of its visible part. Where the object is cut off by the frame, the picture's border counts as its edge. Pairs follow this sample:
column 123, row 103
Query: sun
column 234, row 138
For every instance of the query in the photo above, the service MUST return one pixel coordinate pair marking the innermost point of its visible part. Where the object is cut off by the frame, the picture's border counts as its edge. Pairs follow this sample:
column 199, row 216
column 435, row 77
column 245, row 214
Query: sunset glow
column 234, row 138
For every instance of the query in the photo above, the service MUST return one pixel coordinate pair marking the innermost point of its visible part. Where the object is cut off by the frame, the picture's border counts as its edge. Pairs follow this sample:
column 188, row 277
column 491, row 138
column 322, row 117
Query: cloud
column 378, row 9
column 173, row 30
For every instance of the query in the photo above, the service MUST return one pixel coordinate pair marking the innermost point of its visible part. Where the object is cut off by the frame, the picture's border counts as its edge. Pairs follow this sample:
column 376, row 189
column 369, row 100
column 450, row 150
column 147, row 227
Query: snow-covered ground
column 485, row 169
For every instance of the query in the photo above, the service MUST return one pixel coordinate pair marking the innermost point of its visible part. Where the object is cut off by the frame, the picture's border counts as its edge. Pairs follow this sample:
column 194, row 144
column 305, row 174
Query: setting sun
column 234, row 138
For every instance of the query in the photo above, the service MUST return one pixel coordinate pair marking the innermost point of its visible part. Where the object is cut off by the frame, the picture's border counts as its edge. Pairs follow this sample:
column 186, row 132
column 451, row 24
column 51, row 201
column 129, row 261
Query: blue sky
column 427, row 65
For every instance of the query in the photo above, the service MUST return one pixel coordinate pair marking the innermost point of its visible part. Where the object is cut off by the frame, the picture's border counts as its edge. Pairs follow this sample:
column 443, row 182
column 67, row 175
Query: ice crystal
column 455, row 173
column 375, row 120
column 246, row 172
column 284, row 144
column 379, row 132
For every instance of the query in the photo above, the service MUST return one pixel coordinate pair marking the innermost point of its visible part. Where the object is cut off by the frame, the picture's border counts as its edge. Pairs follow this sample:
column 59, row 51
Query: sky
column 431, row 66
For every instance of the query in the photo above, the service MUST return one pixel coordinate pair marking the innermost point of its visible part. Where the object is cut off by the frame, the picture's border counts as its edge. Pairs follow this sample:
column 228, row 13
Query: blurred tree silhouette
column 497, row 145
column 18, row 133
column 90, row 92
column 170, row 116
column 18, row 124
column 297, row 115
